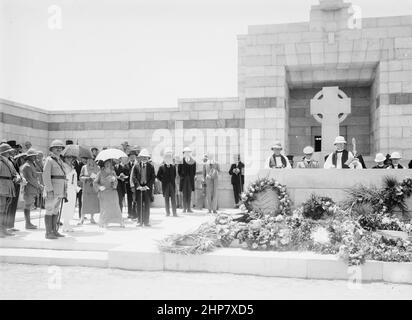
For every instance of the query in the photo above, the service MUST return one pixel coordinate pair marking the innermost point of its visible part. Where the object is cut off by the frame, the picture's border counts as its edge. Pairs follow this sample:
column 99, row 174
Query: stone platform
column 134, row 248
column 332, row 183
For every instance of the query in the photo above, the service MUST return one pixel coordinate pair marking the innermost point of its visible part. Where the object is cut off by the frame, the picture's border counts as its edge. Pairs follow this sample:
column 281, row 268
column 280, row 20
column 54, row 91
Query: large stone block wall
column 394, row 113
column 328, row 51
column 24, row 123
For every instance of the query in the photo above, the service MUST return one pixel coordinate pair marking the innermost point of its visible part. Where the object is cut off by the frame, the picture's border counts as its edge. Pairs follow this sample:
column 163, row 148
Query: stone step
column 54, row 257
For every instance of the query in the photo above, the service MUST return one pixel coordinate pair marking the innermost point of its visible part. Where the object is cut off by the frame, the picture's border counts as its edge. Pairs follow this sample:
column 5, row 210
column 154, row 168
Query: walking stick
column 60, row 214
column 41, row 203
column 141, row 206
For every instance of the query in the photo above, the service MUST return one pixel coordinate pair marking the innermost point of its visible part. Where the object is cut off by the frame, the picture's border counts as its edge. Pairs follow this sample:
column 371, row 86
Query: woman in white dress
column 69, row 206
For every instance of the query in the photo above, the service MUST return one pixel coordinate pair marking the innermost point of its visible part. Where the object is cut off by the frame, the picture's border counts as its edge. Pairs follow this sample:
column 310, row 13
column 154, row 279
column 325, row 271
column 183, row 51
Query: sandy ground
column 50, row 282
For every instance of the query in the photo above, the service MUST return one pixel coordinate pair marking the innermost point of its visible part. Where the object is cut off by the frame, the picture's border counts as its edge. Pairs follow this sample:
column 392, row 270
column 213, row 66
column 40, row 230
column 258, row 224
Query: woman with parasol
column 106, row 186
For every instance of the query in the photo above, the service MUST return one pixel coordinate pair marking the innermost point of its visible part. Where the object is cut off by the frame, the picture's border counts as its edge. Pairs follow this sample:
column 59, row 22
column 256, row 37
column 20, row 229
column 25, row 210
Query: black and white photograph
column 191, row 152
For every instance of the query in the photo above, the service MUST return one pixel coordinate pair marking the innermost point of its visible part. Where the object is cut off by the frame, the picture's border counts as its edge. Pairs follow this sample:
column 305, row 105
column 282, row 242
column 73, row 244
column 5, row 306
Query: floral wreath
column 260, row 185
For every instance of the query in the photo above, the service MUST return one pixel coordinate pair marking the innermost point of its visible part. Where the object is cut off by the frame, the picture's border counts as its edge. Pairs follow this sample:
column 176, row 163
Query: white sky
column 136, row 53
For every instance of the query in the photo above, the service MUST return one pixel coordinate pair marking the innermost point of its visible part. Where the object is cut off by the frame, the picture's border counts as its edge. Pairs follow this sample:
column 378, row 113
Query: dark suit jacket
column 78, row 165
column 187, row 171
column 127, row 171
column 235, row 179
column 150, row 176
column 121, row 184
column 167, row 176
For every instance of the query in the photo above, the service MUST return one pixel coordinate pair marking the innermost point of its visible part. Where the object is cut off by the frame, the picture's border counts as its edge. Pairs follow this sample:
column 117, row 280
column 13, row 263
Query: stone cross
column 330, row 107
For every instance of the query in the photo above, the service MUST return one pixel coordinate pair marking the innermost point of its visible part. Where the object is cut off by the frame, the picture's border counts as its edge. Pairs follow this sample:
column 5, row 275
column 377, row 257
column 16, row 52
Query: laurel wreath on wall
column 266, row 196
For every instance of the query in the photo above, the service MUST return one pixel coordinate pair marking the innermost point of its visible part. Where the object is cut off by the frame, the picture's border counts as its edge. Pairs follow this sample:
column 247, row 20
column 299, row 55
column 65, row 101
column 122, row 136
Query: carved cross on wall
column 330, row 107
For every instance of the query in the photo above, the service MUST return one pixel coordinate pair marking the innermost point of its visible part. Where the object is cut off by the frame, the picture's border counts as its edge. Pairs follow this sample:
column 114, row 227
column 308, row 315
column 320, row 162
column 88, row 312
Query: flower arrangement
column 319, row 225
column 260, row 185
column 317, row 207
column 210, row 235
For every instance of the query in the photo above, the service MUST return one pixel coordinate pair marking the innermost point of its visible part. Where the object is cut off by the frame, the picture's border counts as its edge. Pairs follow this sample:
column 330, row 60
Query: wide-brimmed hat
column 168, row 151
column 133, row 151
column 380, row 157
column 308, row 150
column 4, row 147
column 339, row 139
column 57, row 143
column 396, row 155
column 187, row 149
column 144, row 153
column 31, row 153
column 277, row 145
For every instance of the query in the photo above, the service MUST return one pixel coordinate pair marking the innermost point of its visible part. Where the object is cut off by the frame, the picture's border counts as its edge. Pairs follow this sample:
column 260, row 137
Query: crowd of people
column 61, row 181
column 341, row 158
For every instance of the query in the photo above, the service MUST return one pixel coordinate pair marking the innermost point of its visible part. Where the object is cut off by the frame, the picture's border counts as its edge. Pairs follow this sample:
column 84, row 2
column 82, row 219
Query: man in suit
column 141, row 181
column 121, row 177
column 11, row 212
column 54, row 179
column 78, row 165
column 167, row 176
column 237, row 178
column 187, row 172
column 8, row 179
column 33, row 187
column 127, row 171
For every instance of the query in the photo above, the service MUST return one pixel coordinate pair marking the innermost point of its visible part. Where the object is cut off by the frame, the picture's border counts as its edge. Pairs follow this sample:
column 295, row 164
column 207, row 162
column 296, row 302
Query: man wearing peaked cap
column 54, row 179
column 308, row 162
column 33, row 187
column 8, row 179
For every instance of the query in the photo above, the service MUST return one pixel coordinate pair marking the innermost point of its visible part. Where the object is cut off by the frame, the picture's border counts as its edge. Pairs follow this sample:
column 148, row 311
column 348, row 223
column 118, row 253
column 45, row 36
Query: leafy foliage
column 317, row 207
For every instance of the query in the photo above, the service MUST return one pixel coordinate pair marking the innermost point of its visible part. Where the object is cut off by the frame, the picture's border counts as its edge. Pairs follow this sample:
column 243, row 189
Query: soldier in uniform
column 54, row 178
column 33, row 187
column 308, row 162
column 8, row 179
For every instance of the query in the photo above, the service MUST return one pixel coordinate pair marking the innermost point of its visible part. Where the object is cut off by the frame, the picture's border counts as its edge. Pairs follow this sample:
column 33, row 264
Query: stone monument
column 330, row 107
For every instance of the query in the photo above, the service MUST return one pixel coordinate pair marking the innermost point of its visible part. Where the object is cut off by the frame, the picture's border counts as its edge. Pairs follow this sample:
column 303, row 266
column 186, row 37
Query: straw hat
column 396, row 155
column 144, row 153
column 4, row 147
column 277, row 146
column 31, row 153
column 187, row 149
column 308, row 150
column 380, row 157
column 339, row 139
